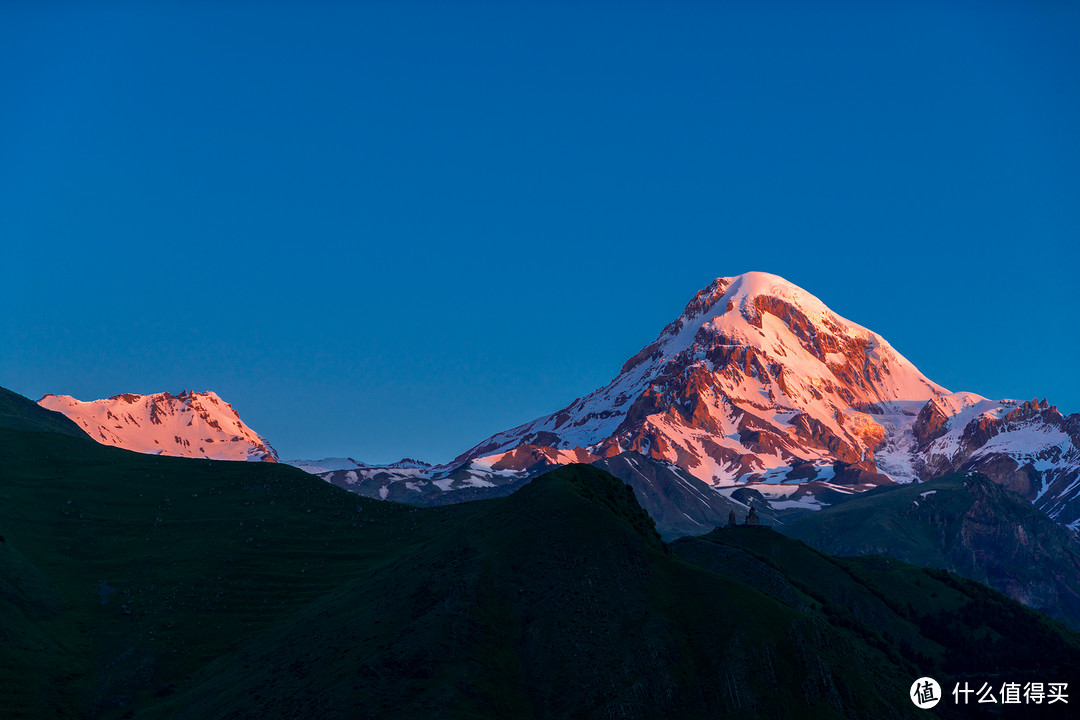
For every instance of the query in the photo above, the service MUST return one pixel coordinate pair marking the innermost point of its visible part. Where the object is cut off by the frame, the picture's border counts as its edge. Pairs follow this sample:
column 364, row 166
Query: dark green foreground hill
column 20, row 413
column 142, row 586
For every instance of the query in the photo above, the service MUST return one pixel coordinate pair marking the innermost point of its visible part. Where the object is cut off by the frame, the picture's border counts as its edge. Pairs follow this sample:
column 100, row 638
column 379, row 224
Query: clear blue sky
column 395, row 229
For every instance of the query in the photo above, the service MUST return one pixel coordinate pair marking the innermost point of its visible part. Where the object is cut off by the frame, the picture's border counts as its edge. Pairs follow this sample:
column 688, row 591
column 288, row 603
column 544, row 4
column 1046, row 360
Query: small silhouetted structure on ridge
column 752, row 520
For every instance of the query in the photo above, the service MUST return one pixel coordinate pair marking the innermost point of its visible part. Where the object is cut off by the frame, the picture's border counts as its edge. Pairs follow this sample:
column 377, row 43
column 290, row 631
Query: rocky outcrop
column 858, row 474
column 930, row 424
column 1028, row 447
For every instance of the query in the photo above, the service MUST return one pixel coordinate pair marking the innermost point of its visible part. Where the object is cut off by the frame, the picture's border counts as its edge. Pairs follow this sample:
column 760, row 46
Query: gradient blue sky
column 397, row 228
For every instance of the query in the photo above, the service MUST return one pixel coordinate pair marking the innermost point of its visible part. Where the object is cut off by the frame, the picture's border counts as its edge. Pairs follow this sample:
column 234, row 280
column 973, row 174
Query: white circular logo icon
column 925, row 693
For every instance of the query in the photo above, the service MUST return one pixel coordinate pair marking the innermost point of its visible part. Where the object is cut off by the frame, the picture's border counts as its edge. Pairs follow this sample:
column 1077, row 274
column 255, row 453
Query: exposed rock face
column 191, row 424
column 930, row 423
column 1028, row 447
column 858, row 474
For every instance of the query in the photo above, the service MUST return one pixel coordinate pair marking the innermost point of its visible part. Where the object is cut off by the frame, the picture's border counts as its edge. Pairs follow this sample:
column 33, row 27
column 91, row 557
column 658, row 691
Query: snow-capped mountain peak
column 758, row 387
column 741, row 292
column 189, row 424
column 755, row 374
column 783, row 321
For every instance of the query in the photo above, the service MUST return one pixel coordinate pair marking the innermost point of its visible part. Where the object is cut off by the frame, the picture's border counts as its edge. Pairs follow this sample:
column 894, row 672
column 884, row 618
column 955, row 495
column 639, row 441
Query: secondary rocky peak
column 409, row 464
column 189, row 424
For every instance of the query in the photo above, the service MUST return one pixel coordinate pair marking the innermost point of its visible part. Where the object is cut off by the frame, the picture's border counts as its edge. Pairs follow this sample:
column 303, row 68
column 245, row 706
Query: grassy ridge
column 558, row 601
column 135, row 570
column 20, row 413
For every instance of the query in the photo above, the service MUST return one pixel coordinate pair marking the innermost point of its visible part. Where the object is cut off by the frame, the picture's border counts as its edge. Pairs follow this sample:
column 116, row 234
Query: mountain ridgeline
column 756, row 396
column 19, row 413
column 758, row 385
column 134, row 585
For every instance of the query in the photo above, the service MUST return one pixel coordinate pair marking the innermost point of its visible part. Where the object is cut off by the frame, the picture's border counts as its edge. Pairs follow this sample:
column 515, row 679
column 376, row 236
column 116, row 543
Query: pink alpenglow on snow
column 755, row 374
column 191, row 424
column 757, row 383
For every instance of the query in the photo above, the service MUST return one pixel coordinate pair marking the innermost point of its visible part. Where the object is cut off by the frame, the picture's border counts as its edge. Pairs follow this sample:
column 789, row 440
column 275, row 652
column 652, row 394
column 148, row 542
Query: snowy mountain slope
column 758, row 384
column 1029, row 447
column 190, row 424
column 755, row 375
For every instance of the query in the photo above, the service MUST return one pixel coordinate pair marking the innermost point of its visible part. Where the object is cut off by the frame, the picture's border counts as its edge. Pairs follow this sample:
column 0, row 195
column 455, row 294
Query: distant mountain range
column 756, row 396
column 758, row 385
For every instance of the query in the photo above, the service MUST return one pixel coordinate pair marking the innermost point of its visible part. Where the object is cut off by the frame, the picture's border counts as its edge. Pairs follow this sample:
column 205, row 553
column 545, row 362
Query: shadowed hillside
column 19, row 413
column 143, row 586
column 961, row 523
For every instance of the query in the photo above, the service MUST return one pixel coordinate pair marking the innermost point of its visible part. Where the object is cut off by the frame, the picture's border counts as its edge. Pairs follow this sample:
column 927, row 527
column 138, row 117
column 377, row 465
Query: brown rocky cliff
column 930, row 424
